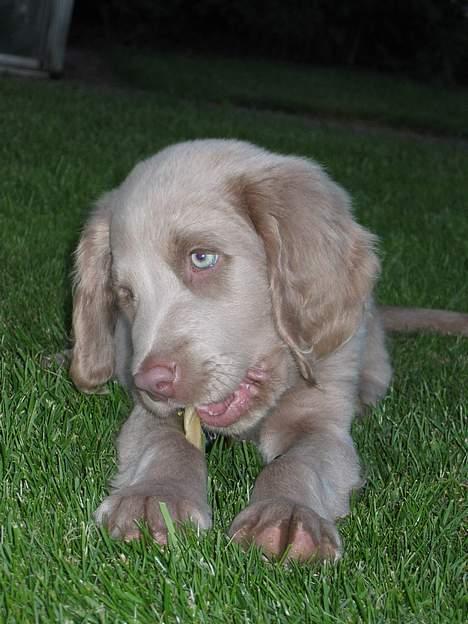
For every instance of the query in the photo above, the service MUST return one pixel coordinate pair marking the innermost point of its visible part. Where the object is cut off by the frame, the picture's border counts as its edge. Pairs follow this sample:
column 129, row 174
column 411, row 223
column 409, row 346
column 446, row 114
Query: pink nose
column 157, row 378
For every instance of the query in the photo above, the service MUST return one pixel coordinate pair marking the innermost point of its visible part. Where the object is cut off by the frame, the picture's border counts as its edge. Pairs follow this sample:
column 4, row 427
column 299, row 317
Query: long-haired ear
column 321, row 263
column 92, row 362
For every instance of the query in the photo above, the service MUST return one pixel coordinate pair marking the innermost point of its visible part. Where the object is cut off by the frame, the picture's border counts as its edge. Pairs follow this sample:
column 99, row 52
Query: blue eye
column 203, row 259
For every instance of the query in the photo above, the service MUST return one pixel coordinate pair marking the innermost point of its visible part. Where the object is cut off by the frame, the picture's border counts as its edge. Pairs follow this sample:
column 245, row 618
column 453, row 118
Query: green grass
column 331, row 94
column 62, row 145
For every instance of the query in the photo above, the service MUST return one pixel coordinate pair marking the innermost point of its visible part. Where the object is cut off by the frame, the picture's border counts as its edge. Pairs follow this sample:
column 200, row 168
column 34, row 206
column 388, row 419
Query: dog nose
column 156, row 378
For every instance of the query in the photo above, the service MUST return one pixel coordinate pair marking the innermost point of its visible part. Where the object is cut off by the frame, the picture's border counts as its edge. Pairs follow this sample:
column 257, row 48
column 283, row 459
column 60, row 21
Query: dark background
column 423, row 39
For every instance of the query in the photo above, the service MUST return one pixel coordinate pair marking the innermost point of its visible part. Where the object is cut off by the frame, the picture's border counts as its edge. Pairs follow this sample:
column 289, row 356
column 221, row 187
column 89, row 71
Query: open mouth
column 228, row 411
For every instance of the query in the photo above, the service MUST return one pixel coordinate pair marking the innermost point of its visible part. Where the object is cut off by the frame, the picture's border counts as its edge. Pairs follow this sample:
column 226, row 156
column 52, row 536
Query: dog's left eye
column 203, row 259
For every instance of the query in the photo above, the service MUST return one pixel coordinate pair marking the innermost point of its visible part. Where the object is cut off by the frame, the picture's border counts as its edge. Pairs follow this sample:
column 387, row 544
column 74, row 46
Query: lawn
column 329, row 93
column 61, row 145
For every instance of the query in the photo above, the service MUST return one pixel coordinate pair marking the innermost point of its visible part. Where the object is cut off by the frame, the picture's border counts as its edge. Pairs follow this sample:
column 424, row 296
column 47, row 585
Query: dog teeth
column 192, row 428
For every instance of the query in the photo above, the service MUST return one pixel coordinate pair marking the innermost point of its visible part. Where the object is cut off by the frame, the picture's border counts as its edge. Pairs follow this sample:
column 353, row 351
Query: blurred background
column 426, row 40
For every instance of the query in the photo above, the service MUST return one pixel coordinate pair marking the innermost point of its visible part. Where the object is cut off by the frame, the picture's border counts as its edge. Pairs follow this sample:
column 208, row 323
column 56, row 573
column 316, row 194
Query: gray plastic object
column 33, row 36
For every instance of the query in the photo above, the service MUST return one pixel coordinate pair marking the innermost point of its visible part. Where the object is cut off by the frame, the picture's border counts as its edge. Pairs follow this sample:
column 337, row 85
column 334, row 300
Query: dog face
column 234, row 269
column 190, row 275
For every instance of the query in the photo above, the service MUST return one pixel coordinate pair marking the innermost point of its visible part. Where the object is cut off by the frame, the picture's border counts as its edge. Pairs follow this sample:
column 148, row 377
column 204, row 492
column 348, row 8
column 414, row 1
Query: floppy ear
column 92, row 362
column 321, row 263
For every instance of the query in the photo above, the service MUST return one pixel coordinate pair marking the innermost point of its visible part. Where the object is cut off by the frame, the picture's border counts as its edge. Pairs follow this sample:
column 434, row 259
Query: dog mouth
column 228, row 411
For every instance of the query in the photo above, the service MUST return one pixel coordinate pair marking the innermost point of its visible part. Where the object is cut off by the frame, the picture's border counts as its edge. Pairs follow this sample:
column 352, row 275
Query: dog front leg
column 156, row 465
column 300, row 493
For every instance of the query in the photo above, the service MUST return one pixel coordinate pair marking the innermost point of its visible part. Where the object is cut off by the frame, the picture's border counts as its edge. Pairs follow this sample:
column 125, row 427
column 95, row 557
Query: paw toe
column 292, row 531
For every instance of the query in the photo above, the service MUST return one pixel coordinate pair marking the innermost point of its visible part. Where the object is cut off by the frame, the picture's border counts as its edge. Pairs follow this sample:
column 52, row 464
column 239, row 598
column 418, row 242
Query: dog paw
column 282, row 528
column 122, row 515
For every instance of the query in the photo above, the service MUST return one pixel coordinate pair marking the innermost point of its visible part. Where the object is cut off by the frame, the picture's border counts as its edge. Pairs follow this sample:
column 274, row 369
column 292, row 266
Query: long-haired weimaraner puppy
column 225, row 277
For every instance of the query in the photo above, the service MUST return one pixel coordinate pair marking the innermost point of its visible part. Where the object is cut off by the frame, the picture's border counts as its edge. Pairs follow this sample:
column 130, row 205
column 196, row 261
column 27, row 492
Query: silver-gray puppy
column 224, row 276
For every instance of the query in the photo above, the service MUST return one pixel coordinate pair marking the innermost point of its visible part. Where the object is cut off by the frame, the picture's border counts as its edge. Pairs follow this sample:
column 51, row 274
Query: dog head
column 235, row 268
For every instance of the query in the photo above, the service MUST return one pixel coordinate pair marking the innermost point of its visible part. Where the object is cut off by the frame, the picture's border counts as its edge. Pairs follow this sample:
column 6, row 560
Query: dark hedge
column 423, row 38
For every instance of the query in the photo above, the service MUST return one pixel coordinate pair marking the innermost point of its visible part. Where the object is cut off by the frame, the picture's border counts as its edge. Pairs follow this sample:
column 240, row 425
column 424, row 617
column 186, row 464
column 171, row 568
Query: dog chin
column 245, row 424
column 160, row 408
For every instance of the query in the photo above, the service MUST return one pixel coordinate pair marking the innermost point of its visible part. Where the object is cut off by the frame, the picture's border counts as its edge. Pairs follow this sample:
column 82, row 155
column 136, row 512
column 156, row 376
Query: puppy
column 223, row 276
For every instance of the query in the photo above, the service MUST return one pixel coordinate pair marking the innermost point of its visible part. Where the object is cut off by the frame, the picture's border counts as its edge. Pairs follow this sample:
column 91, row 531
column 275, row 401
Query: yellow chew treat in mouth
column 192, row 428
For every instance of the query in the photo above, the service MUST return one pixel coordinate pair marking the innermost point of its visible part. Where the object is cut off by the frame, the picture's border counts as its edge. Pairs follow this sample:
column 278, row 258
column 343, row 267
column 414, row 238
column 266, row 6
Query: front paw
column 281, row 527
column 122, row 514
